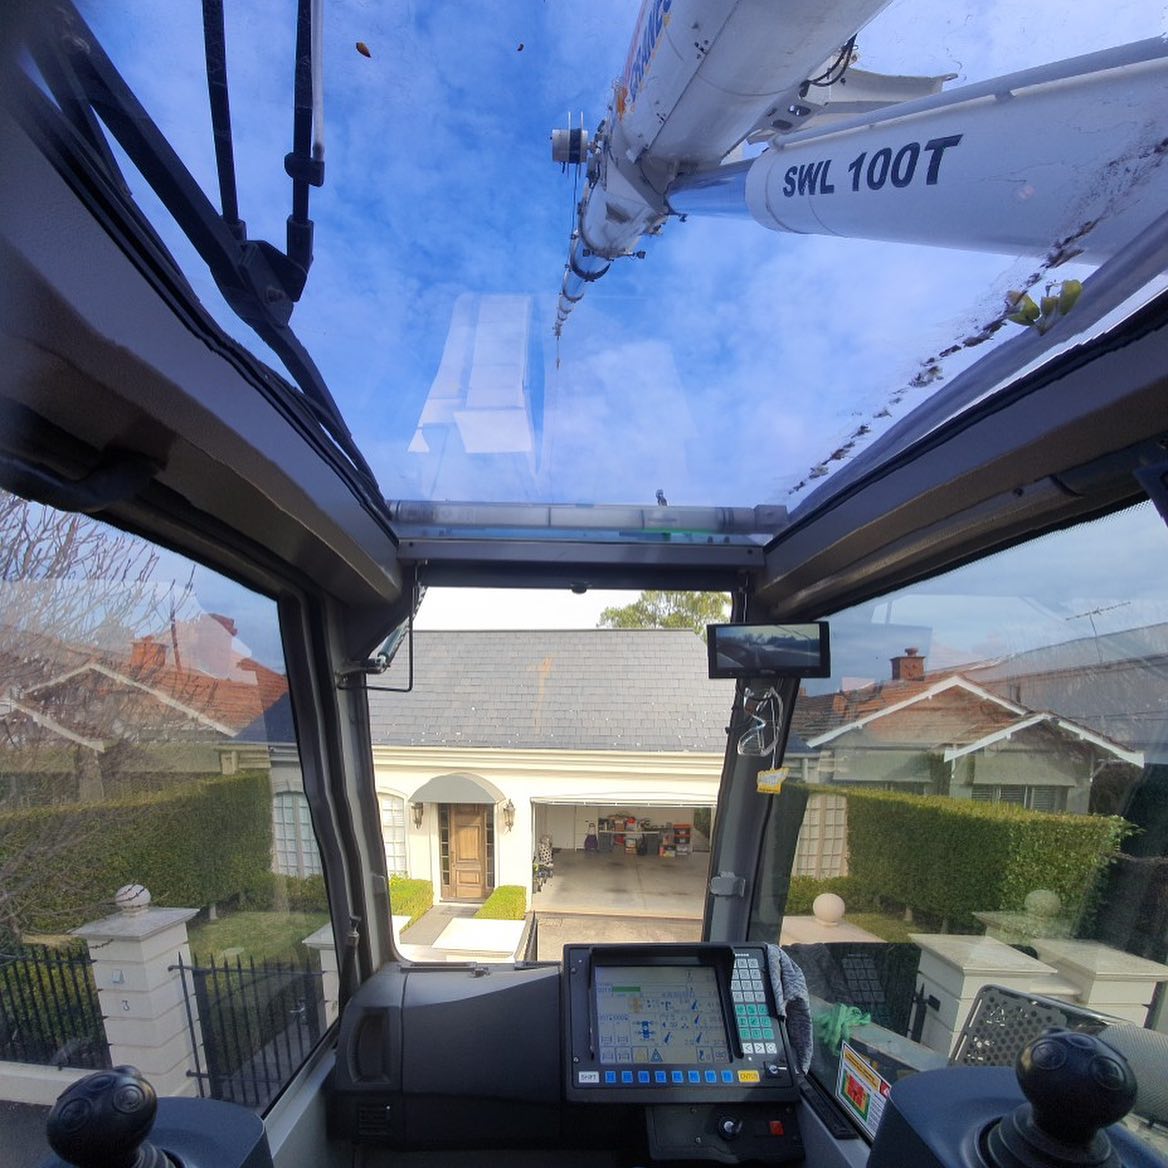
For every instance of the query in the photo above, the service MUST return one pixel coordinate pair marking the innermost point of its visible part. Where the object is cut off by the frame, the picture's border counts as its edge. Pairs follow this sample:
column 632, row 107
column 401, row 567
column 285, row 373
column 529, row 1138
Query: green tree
column 669, row 610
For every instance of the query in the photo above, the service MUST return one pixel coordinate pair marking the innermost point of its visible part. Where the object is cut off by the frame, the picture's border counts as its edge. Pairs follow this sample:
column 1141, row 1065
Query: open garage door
column 623, row 870
column 664, row 828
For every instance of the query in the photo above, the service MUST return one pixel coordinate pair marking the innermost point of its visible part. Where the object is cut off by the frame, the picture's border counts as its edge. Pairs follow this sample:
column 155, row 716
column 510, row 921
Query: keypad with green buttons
column 756, row 1027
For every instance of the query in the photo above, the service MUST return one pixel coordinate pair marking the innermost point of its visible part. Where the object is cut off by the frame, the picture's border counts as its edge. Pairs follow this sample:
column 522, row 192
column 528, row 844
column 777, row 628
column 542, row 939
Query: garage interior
column 654, row 869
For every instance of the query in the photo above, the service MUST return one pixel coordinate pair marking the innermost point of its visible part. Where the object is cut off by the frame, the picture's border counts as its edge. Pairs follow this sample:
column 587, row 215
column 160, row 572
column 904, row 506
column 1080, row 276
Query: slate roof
column 583, row 689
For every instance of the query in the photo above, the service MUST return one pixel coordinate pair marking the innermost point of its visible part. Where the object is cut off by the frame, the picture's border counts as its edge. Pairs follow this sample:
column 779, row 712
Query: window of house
column 1036, row 798
column 148, row 760
column 296, row 850
column 393, row 831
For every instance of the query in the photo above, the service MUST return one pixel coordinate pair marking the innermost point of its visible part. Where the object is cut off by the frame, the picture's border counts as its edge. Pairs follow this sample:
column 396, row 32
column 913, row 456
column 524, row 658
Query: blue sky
column 719, row 369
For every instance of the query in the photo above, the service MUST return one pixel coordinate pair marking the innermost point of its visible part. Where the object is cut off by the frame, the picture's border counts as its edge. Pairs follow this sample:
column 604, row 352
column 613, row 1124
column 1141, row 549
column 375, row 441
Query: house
column 1115, row 683
column 944, row 733
column 507, row 737
column 84, row 722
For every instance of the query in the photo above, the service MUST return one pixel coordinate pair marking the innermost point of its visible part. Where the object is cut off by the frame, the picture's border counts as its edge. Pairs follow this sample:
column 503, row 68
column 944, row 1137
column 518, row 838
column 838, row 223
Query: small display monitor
column 769, row 650
column 653, row 1015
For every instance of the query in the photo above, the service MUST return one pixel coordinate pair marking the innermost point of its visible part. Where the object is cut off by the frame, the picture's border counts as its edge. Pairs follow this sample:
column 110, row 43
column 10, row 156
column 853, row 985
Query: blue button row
column 666, row 1077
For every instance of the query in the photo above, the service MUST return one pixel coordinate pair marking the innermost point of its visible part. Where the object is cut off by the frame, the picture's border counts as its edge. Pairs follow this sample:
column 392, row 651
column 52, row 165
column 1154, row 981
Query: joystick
column 1075, row 1086
column 102, row 1121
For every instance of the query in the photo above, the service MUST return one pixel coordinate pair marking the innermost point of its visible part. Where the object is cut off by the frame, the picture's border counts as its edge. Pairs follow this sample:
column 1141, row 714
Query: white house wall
column 543, row 785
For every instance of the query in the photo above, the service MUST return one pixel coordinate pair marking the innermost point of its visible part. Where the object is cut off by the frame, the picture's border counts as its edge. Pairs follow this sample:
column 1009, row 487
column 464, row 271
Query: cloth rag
column 794, row 1004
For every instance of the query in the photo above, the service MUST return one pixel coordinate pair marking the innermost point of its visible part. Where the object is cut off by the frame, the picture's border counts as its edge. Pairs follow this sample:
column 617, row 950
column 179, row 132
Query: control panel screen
column 656, row 1015
column 671, row 1024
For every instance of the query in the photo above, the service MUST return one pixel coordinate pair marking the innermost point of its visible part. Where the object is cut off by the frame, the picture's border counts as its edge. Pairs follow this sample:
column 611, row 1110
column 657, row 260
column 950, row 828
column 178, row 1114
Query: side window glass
column 987, row 806
column 162, row 899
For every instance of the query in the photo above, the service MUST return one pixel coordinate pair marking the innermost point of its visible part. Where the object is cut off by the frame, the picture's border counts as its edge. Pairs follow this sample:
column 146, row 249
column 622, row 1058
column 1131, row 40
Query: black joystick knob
column 1075, row 1085
column 102, row 1121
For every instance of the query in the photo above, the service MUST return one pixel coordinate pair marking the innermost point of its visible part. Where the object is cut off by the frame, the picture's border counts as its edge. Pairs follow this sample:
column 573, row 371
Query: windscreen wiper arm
column 259, row 282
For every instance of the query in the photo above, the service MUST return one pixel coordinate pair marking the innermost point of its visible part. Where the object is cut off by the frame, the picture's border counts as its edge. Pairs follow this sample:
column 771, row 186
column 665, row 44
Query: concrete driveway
column 596, row 898
column 609, row 898
column 617, row 884
column 559, row 929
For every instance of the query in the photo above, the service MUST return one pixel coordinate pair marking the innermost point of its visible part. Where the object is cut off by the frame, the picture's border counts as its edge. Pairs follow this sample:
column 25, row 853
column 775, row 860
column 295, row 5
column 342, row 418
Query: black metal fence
column 49, row 1011
column 257, row 1022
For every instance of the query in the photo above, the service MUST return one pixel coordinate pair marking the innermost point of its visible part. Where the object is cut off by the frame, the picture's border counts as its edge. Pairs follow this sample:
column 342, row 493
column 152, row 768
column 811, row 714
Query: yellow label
column 770, row 782
column 748, row 1076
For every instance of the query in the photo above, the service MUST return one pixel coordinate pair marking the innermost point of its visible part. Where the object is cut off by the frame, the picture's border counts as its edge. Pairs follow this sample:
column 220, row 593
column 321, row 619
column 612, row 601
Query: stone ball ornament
column 132, row 898
column 828, row 908
column 1041, row 902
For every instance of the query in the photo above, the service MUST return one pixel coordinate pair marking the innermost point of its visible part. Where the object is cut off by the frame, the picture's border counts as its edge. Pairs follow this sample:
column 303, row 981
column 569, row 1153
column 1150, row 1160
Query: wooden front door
column 468, row 851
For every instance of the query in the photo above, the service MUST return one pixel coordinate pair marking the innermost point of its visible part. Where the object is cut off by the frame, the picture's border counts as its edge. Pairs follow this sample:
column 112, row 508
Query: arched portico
column 457, row 787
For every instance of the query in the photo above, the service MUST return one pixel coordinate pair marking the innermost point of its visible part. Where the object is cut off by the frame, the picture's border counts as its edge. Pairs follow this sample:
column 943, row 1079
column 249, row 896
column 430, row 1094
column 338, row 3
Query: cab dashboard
column 619, row 1046
column 622, row 1055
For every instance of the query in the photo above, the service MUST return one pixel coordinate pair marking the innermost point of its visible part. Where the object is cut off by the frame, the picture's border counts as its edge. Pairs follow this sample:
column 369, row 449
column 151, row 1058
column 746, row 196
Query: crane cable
column 838, row 67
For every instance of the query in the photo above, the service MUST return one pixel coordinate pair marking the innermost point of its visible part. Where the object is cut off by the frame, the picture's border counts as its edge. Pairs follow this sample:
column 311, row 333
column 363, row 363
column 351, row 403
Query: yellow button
column 748, row 1076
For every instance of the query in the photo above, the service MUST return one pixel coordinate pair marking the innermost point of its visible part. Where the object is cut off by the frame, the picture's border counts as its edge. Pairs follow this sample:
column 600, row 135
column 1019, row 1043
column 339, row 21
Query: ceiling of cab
column 734, row 363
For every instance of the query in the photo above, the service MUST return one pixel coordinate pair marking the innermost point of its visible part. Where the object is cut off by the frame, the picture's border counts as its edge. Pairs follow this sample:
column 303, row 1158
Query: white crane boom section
column 1065, row 155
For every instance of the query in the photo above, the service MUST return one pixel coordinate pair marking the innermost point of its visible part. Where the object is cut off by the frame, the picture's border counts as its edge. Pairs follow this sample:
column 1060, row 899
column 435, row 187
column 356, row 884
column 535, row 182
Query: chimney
column 910, row 667
column 146, row 653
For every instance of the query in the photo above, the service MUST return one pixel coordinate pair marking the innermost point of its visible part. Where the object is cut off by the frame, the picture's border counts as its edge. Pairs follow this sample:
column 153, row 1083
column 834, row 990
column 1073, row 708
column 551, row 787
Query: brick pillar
column 141, row 995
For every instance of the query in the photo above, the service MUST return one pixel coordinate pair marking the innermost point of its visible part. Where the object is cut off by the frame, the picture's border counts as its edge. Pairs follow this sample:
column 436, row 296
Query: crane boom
column 700, row 76
column 1063, row 156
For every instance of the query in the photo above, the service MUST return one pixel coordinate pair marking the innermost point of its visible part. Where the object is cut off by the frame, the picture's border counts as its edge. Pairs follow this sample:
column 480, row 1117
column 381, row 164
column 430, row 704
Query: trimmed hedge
column 507, row 903
column 804, row 889
column 412, row 897
column 949, row 857
column 276, row 892
column 204, row 841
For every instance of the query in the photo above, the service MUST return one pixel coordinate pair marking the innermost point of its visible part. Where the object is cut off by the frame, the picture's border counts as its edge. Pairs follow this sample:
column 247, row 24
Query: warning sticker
column 860, row 1089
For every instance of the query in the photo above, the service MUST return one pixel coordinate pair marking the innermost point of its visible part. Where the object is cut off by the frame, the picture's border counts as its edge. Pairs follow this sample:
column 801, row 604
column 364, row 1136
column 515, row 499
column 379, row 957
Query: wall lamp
column 509, row 815
column 419, row 809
